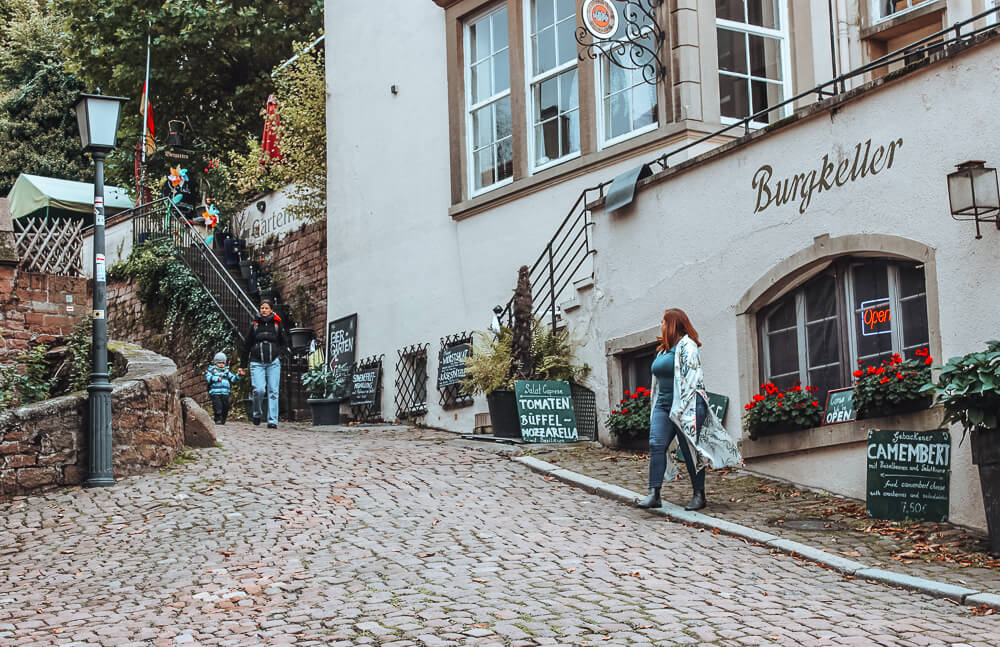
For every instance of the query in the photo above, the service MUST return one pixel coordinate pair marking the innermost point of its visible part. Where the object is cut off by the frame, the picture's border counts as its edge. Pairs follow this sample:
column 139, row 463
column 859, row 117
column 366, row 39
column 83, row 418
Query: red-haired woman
column 680, row 410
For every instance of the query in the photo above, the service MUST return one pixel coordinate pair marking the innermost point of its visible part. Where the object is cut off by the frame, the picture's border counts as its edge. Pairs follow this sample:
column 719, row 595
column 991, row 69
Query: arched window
column 854, row 309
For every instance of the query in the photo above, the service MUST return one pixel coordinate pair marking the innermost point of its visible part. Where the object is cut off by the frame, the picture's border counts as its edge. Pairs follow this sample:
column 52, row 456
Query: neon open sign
column 876, row 317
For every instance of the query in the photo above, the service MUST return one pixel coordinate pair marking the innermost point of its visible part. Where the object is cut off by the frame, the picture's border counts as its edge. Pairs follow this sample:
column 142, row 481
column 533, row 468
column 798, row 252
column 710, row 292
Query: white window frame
column 845, row 285
column 786, row 58
column 531, row 79
column 602, row 138
column 992, row 19
column 470, row 108
column 876, row 9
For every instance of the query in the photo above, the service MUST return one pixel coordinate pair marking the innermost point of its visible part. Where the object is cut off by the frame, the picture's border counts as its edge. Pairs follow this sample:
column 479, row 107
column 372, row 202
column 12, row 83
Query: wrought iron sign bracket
column 637, row 26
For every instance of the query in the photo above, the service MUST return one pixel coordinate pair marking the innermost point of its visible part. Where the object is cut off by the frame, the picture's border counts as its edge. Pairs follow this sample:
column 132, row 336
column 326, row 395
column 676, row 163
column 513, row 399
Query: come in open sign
column 876, row 317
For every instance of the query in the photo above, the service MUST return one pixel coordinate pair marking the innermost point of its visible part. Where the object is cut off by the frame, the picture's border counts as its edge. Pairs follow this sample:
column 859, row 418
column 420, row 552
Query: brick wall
column 44, row 444
column 33, row 308
column 300, row 257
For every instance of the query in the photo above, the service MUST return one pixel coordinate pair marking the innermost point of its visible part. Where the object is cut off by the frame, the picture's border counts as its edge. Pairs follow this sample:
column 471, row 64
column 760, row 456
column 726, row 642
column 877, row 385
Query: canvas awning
column 37, row 195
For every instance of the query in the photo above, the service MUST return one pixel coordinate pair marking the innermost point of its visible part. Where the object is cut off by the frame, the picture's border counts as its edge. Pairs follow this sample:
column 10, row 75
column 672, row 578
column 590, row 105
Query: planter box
column 986, row 454
column 786, row 427
column 325, row 411
column 503, row 414
column 300, row 337
column 908, row 406
column 638, row 442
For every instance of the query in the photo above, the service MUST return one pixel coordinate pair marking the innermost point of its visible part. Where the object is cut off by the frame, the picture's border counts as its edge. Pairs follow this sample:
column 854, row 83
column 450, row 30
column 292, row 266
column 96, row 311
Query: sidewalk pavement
column 936, row 558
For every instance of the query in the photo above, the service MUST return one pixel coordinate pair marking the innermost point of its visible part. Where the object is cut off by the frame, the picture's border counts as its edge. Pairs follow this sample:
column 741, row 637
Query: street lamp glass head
column 972, row 190
column 97, row 117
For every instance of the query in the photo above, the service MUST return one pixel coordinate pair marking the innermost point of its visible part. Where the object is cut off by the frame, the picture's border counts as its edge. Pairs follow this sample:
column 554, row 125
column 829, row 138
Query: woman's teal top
column 663, row 370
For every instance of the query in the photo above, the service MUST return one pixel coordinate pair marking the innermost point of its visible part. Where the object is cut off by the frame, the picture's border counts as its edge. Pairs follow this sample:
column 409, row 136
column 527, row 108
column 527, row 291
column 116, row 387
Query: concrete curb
column 846, row 566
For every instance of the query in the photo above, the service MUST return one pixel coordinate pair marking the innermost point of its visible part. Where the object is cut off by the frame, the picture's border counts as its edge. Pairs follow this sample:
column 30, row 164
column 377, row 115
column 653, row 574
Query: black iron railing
column 160, row 220
column 567, row 250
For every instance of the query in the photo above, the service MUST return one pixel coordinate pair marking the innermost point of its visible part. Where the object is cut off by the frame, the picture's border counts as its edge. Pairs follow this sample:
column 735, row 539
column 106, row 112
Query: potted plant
column 969, row 390
column 894, row 386
column 320, row 384
column 776, row 411
column 301, row 334
column 629, row 421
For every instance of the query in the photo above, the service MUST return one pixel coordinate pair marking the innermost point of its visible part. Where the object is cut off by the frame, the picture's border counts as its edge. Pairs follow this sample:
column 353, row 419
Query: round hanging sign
column 600, row 17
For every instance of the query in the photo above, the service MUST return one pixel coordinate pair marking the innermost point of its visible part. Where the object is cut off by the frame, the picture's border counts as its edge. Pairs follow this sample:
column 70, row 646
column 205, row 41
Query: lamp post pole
column 100, row 472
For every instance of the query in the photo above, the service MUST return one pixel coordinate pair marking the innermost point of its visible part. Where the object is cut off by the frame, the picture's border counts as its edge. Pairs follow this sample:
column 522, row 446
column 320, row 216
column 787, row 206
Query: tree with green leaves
column 38, row 130
column 210, row 61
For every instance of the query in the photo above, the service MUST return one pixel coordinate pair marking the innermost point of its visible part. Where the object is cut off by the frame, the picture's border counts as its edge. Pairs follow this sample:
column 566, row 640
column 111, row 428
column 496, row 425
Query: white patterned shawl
column 712, row 445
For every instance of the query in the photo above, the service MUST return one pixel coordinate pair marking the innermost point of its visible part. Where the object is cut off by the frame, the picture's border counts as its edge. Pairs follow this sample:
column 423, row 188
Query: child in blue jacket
column 220, row 379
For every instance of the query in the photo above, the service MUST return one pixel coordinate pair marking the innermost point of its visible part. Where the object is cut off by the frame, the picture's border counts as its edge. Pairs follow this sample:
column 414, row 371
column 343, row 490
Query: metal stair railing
column 568, row 249
column 161, row 220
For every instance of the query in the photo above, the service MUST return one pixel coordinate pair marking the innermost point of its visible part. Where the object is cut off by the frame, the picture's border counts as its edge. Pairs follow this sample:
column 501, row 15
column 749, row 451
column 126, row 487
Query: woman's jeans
column 662, row 431
column 264, row 378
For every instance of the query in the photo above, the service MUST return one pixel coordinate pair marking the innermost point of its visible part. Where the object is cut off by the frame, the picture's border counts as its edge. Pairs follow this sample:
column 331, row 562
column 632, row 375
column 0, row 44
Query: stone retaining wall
column 33, row 308
column 45, row 444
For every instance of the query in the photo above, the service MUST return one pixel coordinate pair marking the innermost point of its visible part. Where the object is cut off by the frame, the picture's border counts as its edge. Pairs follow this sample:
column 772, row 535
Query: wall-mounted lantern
column 974, row 194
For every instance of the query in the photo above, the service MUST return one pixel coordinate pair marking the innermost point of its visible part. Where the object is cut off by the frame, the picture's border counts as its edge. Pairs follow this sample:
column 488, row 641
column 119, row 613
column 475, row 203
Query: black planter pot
column 638, row 441
column 325, row 411
column 247, row 268
column 909, row 406
column 503, row 414
column 300, row 337
column 986, row 454
column 231, row 251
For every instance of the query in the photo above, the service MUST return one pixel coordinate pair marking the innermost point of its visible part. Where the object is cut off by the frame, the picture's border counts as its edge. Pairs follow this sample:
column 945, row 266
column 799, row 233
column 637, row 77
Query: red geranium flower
column 624, row 410
column 929, row 360
column 899, row 376
column 815, row 403
column 858, row 373
column 633, row 396
column 883, row 380
column 922, row 352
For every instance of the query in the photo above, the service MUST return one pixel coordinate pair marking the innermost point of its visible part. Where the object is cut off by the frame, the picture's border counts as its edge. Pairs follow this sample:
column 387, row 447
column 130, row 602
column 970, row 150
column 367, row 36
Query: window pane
column 505, row 159
column 821, row 295
column 786, row 381
column 766, row 95
column 567, row 41
column 914, row 314
column 616, row 120
column 480, row 82
column 547, row 141
column 479, row 40
column 568, row 93
column 824, row 379
column 565, row 9
column 547, row 99
column 733, row 97
column 824, row 343
column 732, row 51
column 763, row 13
column 911, row 281
column 483, row 175
column 502, row 118
column 643, row 105
column 783, row 316
column 784, row 349
column 545, row 50
column 765, row 57
column 543, row 14
column 729, row 10
column 501, row 71
column 570, row 132
column 617, row 79
column 482, row 127
column 499, row 30
column 870, row 282
column 873, row 348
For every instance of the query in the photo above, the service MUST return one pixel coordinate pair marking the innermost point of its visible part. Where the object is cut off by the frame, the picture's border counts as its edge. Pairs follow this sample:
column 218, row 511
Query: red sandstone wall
column 33, row 308
column 301, row 259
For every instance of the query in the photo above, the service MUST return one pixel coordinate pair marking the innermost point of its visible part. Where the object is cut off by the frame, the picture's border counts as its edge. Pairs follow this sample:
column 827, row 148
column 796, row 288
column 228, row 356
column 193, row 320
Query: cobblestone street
column 397, row 537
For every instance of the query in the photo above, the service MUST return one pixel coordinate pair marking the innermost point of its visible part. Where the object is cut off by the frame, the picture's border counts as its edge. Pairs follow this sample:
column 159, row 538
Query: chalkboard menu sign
column 365, row 386
column 451, row 368
column 908, row 474
column 839, row 406
column 545, row 411
column 340, row 344
column 718, row 404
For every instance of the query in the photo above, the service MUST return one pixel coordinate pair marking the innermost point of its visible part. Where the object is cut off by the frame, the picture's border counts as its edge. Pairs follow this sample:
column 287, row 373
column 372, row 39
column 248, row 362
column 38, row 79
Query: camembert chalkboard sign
column 908, row 474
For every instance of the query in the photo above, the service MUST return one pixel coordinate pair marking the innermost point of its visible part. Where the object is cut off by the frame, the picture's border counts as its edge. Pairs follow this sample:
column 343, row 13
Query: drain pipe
column 844, row 40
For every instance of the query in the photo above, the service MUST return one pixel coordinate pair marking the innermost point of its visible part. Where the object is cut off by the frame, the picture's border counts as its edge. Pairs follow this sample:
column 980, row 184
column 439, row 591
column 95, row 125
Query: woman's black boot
column 697, row 501
column 652, row 500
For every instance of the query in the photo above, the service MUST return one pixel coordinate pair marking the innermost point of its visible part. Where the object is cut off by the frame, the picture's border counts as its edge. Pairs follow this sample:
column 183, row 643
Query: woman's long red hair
column 676, row 325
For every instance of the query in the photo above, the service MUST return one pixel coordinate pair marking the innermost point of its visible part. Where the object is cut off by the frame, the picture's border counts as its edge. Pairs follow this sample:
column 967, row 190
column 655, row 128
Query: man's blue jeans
column 265, row 378
column 662, row 431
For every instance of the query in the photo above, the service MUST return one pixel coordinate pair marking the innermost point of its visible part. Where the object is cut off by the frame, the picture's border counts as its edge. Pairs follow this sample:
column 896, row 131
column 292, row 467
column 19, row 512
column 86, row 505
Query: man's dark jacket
column 266, row 340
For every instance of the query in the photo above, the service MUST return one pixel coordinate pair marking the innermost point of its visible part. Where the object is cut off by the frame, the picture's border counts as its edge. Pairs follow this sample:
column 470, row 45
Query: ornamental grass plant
column 777, row 411
column 630, row 419
column 894, row 385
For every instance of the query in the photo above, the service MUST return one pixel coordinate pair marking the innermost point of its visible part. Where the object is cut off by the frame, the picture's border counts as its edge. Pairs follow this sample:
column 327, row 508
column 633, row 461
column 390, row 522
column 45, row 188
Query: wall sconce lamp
column 261, row 206
column 974, row 194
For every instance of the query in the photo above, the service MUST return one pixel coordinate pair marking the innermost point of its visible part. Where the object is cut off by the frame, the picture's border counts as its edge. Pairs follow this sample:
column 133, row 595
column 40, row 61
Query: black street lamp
column 97, row 117
column 973, row 193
